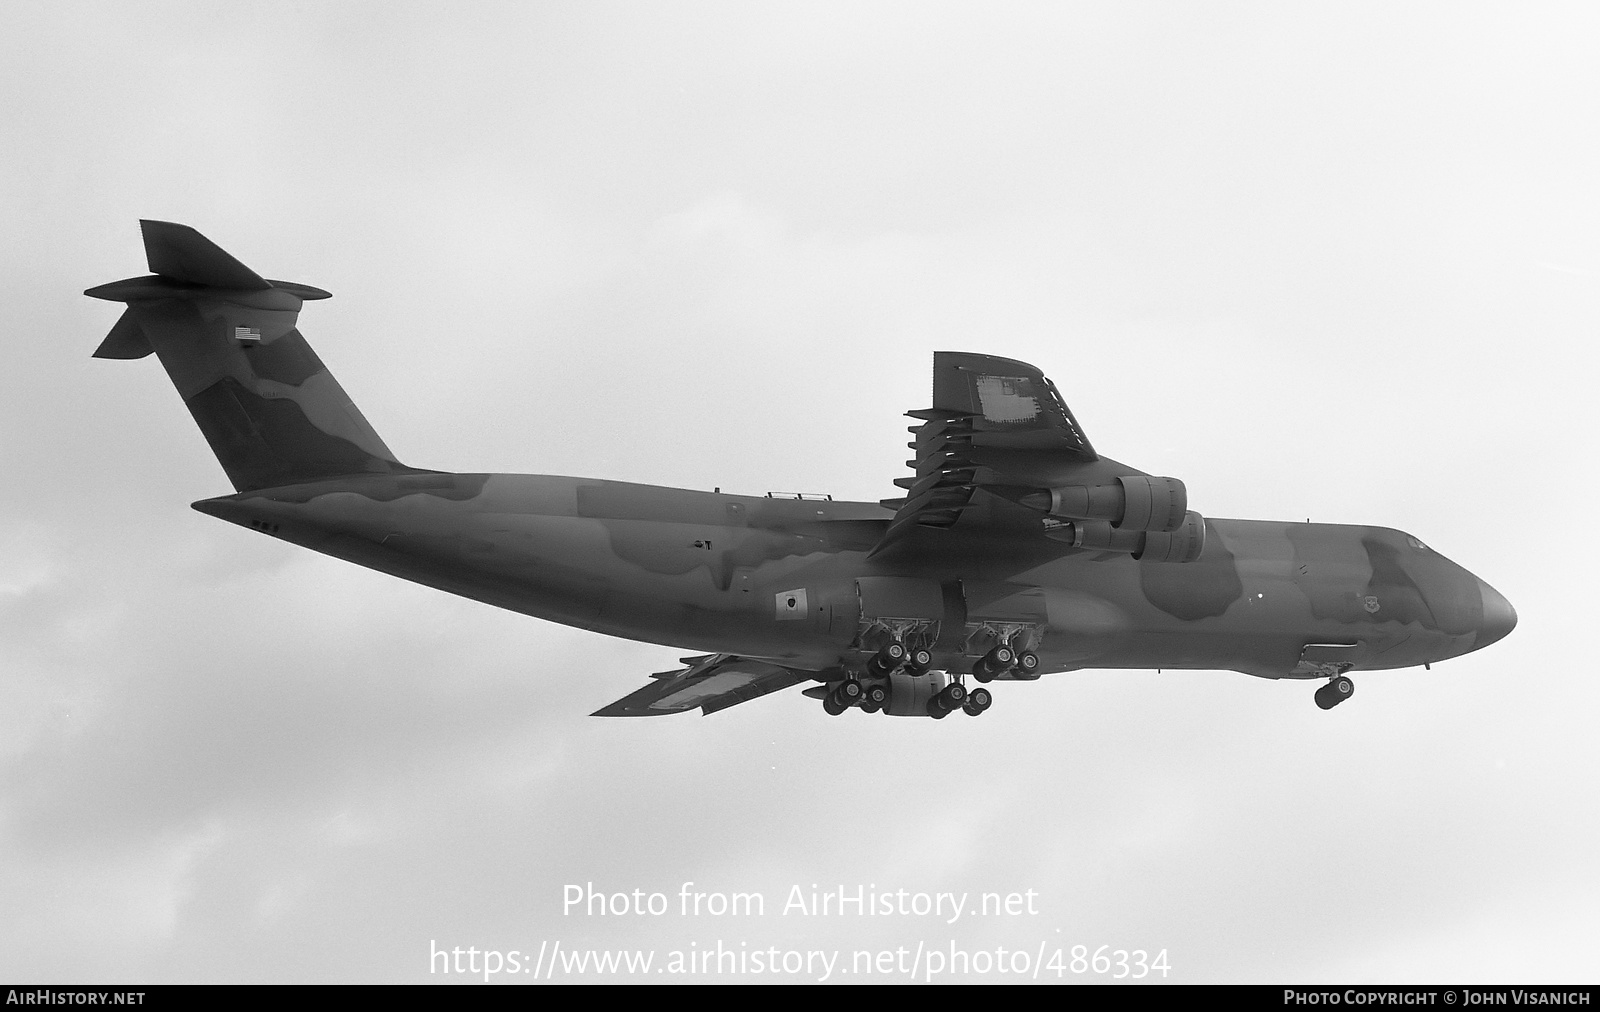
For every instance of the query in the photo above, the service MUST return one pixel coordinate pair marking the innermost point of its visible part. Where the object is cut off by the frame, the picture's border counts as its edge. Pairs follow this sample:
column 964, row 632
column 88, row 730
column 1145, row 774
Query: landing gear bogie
column 903, row 693
column 994, row 663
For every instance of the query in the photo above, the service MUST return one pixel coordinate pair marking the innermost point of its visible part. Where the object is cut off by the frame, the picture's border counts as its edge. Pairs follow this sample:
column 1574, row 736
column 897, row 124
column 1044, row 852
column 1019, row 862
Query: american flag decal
column 247, row 333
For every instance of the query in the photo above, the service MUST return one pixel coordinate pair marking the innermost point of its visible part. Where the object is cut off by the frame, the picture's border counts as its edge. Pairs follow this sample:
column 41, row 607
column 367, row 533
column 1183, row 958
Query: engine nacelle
column 1134, row 503
column 1182, row 545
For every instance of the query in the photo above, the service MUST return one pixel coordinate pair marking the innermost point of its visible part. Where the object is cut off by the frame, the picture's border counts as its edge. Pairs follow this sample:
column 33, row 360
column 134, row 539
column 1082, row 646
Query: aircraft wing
column 997, row 425
column 712, row 682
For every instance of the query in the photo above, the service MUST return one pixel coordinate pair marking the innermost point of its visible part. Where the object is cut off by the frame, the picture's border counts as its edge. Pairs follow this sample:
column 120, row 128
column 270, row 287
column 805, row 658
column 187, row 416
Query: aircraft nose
column 1499, row 618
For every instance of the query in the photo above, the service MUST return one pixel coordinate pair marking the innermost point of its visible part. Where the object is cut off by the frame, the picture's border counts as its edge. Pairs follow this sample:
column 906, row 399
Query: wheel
column 1028, row 664
column 921, row 659
column 887, row 659
column 849, row 690
column 981, row 698
column 877, row 695
column 832, row 706
column 952, row 696
column 1338, row 689
column 994, row 664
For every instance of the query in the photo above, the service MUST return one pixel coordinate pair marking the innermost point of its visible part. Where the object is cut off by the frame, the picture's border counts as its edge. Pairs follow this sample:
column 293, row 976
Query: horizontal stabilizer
column 182, row 254
column 126, row 339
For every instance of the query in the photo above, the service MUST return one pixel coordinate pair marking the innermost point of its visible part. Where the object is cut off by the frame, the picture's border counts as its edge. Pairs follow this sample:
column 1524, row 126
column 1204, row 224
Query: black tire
column 832, row 706
column 1335, row 692
column 849, row 690
column 981, row 698
column 887, row 659
column 877, row 695
column 921, row 659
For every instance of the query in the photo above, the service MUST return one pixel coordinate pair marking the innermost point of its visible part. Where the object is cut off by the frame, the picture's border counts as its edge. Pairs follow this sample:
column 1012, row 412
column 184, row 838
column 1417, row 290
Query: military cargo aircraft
column 1016, row 550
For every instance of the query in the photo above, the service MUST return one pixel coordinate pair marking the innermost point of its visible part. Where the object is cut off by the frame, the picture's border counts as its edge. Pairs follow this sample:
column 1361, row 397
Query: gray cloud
column 1293, row 256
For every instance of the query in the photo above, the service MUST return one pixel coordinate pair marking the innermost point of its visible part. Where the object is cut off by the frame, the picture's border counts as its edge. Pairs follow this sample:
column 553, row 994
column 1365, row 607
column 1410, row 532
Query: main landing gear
column 1023, row 664
column 955, row 696
column 1338, row 689
column 900, row 680
column 887, row 659
column 947, row 699
column 846, row 694
column 978, row 700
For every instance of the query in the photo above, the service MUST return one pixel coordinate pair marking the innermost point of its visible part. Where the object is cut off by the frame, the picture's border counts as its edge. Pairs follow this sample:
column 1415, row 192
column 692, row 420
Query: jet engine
column 1134, row 503
column 1181, row 545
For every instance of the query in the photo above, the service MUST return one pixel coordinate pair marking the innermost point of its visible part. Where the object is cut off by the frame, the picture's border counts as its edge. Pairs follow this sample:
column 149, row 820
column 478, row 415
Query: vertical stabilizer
column 227, row 337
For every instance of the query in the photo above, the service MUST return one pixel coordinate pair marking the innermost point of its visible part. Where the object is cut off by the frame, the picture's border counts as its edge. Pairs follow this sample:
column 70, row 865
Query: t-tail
column 270, row 409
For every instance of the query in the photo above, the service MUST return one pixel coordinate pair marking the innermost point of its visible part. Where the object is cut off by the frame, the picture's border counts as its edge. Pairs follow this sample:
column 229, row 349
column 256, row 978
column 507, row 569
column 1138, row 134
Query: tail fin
column 267, row 405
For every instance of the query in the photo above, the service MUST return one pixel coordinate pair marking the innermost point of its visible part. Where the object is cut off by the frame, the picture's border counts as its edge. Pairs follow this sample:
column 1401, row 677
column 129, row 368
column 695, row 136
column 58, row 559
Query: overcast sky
column 1335, row 261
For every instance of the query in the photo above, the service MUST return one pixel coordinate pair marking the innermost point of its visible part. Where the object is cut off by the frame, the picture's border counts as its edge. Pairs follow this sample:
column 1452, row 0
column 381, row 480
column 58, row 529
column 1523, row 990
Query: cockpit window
column 1414, row 543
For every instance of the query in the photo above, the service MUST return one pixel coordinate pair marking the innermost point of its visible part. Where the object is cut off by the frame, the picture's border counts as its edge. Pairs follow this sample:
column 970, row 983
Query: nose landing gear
column 1338, row 689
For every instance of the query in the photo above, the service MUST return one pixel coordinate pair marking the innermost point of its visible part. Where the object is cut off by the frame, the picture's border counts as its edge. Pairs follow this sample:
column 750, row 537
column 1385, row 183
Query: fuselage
column 1016, row 549
column 791, row 580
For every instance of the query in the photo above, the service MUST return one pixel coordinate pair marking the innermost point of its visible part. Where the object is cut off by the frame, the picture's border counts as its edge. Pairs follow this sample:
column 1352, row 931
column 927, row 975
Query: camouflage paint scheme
column 778, row 591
